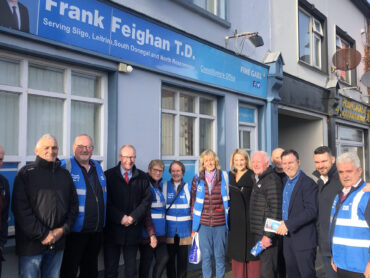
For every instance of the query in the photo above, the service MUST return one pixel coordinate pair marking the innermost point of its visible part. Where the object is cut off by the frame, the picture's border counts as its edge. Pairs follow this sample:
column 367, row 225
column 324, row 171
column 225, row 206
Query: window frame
column 196, row 115
column 343, row 36
column 24, row 92
column 204, row 12
column 315, row 17
column 252, row 127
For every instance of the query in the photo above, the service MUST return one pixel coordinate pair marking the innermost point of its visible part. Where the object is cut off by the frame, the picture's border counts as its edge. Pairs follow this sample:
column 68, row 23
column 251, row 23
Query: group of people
column 66, row 211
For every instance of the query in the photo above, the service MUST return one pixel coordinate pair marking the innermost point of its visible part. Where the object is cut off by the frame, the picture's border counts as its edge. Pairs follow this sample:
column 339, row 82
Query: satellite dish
column 346, row 59
column 365, row 79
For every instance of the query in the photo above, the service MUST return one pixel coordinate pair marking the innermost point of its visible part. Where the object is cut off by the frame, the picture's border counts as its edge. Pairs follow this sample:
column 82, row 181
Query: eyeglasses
column 128, row 157
column 157, row 170
column 81, row 147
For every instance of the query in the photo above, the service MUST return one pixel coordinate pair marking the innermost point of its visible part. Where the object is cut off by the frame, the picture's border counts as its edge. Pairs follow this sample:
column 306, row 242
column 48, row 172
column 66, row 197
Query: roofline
column 363, row 6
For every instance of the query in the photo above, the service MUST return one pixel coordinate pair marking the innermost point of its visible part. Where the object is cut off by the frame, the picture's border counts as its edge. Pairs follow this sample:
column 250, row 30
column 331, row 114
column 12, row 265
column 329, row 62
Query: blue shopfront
column 99, row 68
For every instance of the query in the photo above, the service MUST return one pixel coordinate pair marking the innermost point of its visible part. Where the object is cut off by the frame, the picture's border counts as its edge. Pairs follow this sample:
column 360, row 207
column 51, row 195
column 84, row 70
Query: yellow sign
column 354, row 111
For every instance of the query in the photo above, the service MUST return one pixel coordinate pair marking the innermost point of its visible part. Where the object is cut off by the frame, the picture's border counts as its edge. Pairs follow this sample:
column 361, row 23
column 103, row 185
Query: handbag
column 194, row 254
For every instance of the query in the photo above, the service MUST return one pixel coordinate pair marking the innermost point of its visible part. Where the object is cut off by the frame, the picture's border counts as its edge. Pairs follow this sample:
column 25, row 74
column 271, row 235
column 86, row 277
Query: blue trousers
column 212, row 241
column 45, row 265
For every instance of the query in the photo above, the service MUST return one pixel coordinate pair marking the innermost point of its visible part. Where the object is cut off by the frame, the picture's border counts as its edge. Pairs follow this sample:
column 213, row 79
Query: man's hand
column 265, row 242
column 153, row 241
column 282, row 230
column 127, row 220
column 367, row 271
column 49, row 239
column 124, row 220
column 130, row 220
column 333, row 265
column 193, row 233
column 57, row 233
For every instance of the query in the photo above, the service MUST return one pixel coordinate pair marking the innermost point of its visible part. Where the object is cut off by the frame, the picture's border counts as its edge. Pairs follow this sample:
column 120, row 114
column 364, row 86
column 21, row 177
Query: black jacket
column 266, row 199
column 94, row 202
column 326, row 194
column 240, row 239
column 132, row 199
column 5, row 195
column 44, row 198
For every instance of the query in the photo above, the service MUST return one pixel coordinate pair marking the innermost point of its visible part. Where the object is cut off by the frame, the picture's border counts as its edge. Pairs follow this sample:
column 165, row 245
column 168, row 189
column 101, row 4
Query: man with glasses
column 128, row 199
column 84, row 242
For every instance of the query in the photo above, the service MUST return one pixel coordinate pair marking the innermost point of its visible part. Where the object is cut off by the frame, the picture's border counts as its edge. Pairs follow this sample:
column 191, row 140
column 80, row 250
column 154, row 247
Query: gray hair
column 127, row 146
column 84, row 135
column 349, row 157
column 264, row 154
column 46, row 136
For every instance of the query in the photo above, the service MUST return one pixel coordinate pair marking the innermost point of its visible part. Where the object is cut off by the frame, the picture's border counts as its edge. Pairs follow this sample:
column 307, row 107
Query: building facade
column 154, row 74
column 321, row 104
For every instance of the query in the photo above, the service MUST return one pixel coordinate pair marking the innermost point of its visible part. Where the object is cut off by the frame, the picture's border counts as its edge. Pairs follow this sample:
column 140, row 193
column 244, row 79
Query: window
column 311, row 38
column 37, row 97
column 216, row 7
column 351, row 140
column 344, row 41
column 247, row 128
column 211, row 7
column 188, row 124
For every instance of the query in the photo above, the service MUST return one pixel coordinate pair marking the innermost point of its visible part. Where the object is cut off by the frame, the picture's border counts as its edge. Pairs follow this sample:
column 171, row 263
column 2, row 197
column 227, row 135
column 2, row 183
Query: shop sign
column 97, row 26
column 352, row 110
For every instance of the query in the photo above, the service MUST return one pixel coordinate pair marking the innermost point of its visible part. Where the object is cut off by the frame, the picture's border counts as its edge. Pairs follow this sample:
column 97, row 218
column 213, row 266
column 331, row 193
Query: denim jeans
column 212, row 241
column 47, row 264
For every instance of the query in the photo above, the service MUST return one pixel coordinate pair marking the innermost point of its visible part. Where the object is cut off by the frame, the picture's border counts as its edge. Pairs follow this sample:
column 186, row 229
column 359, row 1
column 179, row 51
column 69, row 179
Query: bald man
column 276, row 159
column 4, row 208
column 45, row 206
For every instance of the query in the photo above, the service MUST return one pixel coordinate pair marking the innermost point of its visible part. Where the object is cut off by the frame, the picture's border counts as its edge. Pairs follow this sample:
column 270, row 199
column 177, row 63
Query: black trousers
column 299, row 263
column 178, row 256
column 112, row 253
column 348, row 274
column 269, row 262
column 81, row 252
column 146, row 257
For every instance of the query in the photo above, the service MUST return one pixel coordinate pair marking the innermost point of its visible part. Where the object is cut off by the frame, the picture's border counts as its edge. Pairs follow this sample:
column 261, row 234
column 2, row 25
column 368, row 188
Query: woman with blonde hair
column 210, row 206
column 240, row 238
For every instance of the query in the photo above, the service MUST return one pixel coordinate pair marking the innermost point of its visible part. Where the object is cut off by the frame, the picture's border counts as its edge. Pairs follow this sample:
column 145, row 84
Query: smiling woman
column 210, row 206
column 178, row 220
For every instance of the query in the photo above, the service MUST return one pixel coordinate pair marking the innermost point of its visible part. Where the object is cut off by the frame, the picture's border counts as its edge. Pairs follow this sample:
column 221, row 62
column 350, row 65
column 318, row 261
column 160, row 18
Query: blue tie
column 15, row 17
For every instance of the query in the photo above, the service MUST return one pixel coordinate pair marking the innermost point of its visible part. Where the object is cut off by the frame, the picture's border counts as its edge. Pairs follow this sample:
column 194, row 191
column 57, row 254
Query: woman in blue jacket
column 178, row 220
column 154, row 234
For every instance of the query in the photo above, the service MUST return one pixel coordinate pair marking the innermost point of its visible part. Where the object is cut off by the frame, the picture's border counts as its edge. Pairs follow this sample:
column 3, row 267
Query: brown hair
column 178, row 163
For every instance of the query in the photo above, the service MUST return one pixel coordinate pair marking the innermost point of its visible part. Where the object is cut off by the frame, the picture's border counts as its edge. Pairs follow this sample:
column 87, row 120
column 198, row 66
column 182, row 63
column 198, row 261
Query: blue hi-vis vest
column 178, row 219
column 79, row 182
column 199, row 200
column 158, row 212
column 351, row 237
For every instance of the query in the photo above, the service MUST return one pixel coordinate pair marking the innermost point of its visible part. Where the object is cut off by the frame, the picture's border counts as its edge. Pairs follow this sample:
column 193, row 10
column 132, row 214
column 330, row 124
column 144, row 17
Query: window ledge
column 312, row 67
column 201, row 11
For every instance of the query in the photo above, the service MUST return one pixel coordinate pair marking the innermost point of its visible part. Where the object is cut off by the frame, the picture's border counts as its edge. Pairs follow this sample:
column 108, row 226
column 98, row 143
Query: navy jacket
column 302, row 214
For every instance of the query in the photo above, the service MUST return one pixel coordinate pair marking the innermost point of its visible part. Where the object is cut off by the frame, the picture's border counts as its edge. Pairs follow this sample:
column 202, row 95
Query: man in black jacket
column 265, row 203
column 45, row 207
column 84, row 242
column 4, row 208
column 328, row 187
column 128, row 199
